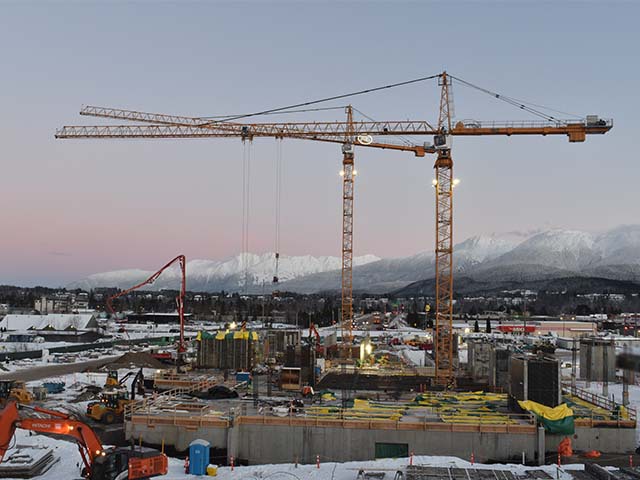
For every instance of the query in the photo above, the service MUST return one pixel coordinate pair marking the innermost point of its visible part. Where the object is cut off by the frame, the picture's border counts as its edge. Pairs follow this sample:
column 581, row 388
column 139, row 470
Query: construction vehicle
column 14, row 390
column 182, row 261
column 112, row 379
column 350, row 134
column 99, row 463
column 114, row 398
column 313, row 331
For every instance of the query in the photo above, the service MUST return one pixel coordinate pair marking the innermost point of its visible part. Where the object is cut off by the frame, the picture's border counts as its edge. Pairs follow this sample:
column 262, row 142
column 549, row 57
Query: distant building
column 52, row 321
column 156, row 318
column 62, row 303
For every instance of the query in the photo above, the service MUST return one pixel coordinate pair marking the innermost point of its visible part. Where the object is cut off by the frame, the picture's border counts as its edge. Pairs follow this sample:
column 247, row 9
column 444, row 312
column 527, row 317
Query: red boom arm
column 179, row 299
column 60, row 424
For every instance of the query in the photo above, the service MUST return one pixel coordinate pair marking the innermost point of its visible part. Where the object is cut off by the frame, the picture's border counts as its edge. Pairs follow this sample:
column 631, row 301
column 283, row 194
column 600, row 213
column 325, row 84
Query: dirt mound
column 90, row 392
column 137, row 359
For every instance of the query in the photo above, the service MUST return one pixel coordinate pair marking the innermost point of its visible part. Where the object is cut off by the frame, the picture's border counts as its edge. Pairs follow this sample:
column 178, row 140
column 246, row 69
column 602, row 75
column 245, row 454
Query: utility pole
column 588, row 355
column 605, row 369
column 627, row 374
column 574, row 361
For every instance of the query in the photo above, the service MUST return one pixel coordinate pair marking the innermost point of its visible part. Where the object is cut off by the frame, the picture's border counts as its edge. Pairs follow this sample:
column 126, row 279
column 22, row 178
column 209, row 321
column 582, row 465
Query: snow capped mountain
column 514, row 256
column 620, row 245
column 561, row 249
column 481, row 248
column 210, row 275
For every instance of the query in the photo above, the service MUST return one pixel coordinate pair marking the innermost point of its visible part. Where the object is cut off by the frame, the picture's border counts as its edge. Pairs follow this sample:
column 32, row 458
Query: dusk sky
column 75, row 207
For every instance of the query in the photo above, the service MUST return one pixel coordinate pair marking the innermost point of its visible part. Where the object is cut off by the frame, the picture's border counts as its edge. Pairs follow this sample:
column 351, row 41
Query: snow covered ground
column 29, row 346
column 70, row 466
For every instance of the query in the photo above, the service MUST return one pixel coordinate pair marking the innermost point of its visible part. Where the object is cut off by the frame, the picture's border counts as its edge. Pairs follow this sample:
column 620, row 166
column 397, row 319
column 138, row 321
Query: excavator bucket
column 8, row 418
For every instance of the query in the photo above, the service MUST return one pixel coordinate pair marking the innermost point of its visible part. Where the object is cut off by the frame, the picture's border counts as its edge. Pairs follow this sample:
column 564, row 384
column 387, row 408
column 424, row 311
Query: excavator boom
column 88, row 442
column 181, row 259
column 94, row 456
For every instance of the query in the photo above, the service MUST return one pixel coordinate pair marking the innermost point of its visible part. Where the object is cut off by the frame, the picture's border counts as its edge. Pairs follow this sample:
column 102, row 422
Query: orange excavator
column 318, row 340
column 99, row 463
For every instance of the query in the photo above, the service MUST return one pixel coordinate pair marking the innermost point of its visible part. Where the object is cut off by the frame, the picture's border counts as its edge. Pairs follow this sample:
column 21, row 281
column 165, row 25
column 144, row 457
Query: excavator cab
column 112, row 379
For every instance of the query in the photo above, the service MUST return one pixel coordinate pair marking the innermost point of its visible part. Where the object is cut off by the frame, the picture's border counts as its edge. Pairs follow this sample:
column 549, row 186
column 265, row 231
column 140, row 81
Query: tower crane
column 369, row 134
column 182, row 262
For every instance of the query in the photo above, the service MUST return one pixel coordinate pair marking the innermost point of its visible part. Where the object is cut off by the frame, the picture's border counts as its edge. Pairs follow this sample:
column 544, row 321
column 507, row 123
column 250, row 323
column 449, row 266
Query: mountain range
column 514, row 258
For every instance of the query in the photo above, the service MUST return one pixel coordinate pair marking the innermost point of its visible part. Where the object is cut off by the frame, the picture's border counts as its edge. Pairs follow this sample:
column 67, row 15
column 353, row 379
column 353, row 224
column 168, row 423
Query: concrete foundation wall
column 605, row 440
column 261, row 444
column 279, row 444
column 178, row 437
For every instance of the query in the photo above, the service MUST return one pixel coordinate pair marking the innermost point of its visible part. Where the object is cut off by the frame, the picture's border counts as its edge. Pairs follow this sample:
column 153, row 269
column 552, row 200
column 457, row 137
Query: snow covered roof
column 52, row 321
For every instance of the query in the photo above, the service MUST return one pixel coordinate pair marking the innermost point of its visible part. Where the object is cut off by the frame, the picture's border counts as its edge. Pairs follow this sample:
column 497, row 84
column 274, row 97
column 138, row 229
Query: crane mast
column 348, row 173
column 443, row 183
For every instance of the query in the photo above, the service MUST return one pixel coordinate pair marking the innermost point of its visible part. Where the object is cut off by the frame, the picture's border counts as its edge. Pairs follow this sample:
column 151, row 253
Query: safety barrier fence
column 197, row 415
column 168, row 399
column 616, row 414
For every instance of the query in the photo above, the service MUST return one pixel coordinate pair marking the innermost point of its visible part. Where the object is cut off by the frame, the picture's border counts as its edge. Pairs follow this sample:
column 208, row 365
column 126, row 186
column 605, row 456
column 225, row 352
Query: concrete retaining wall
column 605, row 440
column 279, row 444
column 258, row 443
column 177, row 436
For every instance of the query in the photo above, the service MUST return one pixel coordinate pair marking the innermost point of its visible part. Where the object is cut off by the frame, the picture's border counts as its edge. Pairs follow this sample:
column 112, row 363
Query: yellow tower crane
column 351, row 134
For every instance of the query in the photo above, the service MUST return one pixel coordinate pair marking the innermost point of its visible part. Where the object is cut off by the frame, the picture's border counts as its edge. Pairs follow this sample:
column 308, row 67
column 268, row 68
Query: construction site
column 403, row 384
column 258, row 393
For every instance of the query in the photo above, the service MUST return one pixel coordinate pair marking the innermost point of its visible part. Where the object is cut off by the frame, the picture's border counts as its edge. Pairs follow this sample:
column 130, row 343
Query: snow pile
column 71, row 466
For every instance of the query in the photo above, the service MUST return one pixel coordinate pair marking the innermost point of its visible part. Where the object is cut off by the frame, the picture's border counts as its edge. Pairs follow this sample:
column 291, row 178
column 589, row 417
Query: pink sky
column 72, row 208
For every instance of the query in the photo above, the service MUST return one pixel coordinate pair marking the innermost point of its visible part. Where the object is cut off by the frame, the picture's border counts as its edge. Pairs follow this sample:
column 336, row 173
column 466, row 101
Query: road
column 56, row 369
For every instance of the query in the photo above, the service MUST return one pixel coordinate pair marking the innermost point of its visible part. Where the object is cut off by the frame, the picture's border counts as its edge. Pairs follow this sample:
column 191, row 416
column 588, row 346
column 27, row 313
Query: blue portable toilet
column 199, row 457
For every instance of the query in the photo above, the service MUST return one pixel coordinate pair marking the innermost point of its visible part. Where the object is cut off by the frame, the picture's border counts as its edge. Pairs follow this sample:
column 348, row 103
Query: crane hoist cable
column 278, row 207
column 246, row 208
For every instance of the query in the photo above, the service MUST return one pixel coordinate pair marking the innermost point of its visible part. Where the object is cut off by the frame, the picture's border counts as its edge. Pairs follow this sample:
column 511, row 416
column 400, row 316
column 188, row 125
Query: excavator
column 115, row 397
column 14, row 390
column 314, row 340
column 99, row 463
column 318, row 340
